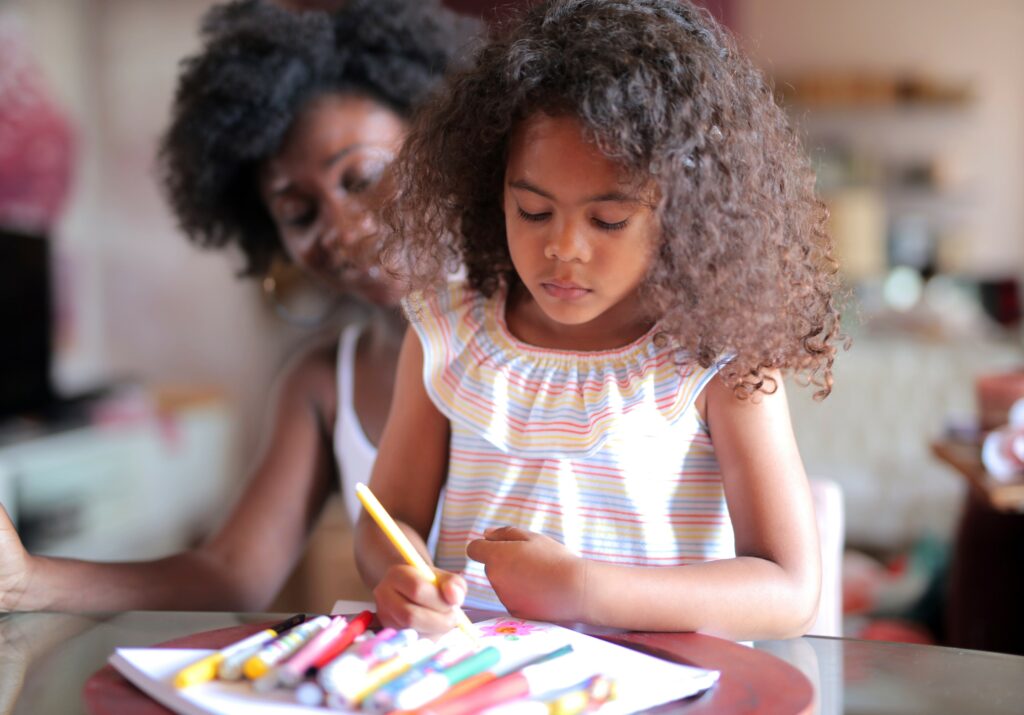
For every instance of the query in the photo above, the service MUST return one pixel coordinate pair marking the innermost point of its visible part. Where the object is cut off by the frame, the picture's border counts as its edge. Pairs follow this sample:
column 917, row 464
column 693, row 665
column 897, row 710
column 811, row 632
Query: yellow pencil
column 401, row 542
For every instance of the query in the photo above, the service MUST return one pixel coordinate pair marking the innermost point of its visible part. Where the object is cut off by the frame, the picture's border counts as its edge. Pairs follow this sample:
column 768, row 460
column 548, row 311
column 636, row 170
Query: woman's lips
column 564, row 290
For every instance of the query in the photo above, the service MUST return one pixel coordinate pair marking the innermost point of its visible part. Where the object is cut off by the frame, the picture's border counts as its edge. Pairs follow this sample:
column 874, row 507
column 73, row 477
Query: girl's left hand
column 534, row 576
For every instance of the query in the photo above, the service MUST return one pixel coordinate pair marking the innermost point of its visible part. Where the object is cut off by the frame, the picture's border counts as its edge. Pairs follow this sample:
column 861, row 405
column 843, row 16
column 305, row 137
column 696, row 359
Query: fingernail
column 459, row 593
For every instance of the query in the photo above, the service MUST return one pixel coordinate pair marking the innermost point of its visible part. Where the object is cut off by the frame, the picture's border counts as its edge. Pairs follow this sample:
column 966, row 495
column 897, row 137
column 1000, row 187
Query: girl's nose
column 567, row 245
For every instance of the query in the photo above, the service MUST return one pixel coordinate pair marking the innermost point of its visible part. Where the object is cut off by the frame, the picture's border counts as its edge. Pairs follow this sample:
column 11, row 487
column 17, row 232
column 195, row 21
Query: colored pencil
column 401, row 542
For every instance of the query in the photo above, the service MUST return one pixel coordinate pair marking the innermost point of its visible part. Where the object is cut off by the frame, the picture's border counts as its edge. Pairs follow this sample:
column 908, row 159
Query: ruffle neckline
column 540, row 402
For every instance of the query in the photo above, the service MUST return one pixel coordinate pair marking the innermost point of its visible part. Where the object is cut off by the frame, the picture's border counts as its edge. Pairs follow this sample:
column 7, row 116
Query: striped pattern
column 603, row 451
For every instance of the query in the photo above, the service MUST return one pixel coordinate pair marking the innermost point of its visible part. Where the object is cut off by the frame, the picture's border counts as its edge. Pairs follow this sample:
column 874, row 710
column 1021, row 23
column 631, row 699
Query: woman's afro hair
column 258, row 67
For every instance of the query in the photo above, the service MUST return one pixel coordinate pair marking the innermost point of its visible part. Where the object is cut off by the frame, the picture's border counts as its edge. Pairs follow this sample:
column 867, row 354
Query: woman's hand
column 407, row 600
column 14, row 564
column 534, row 576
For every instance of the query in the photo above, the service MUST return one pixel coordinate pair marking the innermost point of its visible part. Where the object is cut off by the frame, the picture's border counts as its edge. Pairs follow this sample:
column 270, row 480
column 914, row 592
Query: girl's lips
column 564, row 291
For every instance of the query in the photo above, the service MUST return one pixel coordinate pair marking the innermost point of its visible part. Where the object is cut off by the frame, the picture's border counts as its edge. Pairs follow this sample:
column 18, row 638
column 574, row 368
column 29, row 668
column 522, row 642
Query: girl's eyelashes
column 532, row 217
column 605, row 226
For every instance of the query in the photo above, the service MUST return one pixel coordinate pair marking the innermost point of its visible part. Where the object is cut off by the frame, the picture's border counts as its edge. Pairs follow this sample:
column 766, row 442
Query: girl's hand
column 14, row 564
column 534, row 576
column 407, row 600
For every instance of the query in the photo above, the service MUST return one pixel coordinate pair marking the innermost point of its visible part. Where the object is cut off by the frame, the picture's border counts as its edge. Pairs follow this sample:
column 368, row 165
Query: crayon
column 206, row 669
column 435, row 684
column 465, row 686
column 355, row 628
column 294, row 669
column 357, row 661
column 589, row 694
column 276, row 651
column 539, row 675
column 355, row 691
column 383, row 701
column 309, row 693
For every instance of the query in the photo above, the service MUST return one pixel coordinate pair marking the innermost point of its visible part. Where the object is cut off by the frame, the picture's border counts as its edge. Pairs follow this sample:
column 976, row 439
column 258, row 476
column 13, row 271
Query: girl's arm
column 244, row 564
column 407, row 478
column 770, row 590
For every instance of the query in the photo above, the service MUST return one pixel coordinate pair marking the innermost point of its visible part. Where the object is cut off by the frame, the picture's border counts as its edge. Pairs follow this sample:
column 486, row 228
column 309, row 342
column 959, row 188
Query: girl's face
column 323, row 189
column 580, row 238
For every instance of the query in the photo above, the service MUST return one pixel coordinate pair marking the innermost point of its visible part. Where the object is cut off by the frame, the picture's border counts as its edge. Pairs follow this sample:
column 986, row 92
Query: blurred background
column 160, row 359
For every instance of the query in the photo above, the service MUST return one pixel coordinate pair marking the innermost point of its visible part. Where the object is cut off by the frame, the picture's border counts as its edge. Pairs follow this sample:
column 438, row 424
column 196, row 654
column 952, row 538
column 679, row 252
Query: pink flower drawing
column 510, row 629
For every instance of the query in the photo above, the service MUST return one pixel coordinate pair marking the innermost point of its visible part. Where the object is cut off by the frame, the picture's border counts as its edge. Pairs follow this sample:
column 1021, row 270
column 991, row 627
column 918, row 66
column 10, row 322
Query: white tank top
column 353, row 450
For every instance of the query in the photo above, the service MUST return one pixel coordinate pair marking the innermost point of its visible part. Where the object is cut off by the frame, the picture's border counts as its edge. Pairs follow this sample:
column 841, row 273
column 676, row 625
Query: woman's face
column 323, row 189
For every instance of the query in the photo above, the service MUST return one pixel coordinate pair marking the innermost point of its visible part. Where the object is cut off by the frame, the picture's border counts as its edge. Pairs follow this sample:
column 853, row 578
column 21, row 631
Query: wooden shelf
column 966, row 459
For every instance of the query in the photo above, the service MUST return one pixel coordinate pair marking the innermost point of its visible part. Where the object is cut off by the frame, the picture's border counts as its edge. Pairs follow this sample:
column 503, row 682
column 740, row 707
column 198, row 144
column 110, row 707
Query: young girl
column 601, row 397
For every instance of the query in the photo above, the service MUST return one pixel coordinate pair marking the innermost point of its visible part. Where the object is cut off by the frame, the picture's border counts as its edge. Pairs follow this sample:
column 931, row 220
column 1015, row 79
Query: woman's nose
column 347, row 226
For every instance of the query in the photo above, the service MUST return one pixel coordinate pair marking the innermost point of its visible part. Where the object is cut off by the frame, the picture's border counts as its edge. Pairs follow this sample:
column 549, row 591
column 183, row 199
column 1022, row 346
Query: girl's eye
column 532, row 217
column 605, row 226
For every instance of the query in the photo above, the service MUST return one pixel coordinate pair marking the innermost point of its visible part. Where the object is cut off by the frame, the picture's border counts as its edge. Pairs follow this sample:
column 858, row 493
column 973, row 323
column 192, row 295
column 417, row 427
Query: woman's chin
column 381, row 294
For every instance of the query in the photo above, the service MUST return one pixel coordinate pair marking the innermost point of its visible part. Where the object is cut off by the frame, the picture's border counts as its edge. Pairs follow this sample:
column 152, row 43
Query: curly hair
column 744, row 267
column 259, row 66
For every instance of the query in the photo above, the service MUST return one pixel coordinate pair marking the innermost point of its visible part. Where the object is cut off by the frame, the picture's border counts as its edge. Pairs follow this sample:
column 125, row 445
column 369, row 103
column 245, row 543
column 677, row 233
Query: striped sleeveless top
column 602, row 451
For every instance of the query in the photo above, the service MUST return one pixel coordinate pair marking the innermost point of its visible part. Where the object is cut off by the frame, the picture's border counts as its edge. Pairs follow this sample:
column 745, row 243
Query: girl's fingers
column 506, row 533
column 407, row 600
column 410, row 584
column 453, row 587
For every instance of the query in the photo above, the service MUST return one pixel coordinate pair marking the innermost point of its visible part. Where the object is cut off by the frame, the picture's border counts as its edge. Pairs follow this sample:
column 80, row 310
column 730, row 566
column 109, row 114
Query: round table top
column 46, row 660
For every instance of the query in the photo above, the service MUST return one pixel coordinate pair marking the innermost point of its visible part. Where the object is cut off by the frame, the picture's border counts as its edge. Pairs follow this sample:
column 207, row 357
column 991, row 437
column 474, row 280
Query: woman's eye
column 355, row 183
column 605, row 226
column 532, row 217
column 356, row 180
column 296, row 213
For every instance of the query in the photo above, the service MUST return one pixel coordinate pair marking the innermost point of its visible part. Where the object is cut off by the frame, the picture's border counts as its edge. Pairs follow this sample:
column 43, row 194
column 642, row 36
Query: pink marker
column 294, row 670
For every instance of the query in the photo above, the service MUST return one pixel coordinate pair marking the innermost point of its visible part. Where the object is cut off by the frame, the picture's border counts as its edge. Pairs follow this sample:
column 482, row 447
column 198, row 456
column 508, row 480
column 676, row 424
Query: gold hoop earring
column 293, row 298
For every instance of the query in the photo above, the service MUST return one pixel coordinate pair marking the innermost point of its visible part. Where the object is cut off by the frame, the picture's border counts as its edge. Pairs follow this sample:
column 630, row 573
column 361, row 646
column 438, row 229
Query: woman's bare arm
column 246, row 561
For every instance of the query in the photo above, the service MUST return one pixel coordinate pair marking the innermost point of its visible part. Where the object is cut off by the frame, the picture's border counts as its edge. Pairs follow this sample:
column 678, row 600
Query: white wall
column 892, row 395
column 137, row 299
column 974, row 40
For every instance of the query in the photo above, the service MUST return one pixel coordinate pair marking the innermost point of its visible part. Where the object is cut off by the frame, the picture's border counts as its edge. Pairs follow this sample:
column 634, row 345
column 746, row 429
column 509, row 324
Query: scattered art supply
column 538, row 676
column 435, row 685
column 386, row 698
column 545, row 669
column 207, row 668
column 281, row 648
column 355, row 629
column 294, row 669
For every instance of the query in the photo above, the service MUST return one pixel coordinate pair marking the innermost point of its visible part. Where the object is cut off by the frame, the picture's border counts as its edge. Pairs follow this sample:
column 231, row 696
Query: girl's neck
column 614, row 329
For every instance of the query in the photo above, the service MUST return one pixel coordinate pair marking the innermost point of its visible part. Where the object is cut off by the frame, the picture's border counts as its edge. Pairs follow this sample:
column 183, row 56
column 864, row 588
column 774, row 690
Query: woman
column 282, row 128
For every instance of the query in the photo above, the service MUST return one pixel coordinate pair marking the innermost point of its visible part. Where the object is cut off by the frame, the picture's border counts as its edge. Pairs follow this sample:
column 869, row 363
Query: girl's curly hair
column 744, row 267
column 258, row 67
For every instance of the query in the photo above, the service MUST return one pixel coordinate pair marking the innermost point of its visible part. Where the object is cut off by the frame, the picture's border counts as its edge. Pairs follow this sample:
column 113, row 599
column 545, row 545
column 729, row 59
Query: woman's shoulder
column 310, row 376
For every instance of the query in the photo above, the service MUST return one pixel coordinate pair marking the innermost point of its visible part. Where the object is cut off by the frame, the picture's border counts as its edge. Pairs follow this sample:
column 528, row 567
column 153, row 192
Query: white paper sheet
column 642, row 681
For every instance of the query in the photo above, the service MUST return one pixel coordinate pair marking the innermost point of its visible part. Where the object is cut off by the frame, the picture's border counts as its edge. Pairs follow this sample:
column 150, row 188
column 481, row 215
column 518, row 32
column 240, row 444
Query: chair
column 829, row 513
